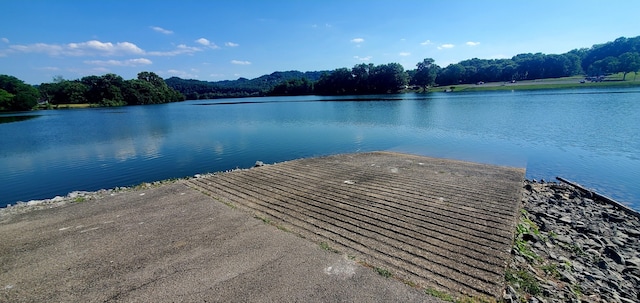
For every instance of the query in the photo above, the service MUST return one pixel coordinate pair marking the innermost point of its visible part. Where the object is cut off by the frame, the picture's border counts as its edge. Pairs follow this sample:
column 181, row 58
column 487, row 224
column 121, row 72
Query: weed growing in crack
column 383, row 272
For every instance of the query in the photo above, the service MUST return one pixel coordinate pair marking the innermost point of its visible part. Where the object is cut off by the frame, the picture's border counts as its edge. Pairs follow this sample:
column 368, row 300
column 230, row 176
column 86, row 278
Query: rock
column 617, row 241
column 563, row 239
column 592, row 245
column 612, row 253
column 565, row 220
column 603, row 264
column 565, row 276
column 635, row 262
column 258, row 164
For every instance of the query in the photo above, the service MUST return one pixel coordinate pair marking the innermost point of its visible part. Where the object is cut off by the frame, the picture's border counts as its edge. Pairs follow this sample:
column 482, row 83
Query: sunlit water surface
column 590, row 136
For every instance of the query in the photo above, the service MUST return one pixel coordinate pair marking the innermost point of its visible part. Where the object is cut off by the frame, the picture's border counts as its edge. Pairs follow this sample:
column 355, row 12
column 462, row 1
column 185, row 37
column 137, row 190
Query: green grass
column 325, row 246
column 439, row 294
column 524, row 280
column 383, row 272
column 614, row 80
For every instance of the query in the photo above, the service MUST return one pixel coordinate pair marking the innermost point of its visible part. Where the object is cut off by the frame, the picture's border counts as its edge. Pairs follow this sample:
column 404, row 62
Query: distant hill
column 197, row 89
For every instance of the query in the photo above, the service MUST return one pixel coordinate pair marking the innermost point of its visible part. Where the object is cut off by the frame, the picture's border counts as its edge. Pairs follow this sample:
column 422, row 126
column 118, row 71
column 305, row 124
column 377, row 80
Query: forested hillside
column 619, row 56
column 197, row 89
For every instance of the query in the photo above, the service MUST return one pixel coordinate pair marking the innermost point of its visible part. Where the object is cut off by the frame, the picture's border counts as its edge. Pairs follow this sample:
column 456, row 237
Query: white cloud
column 89, row 48
column 357, row 40
column 178, row 73
column 103, row 48
column 130, row 62
column 161, row 30
column 203, row 41
column 367, row 58
column 231, row 44
column 238, row 62
column 206, row 42
column 404, row 54
column 50, row 49
column 98, row 48
column 426, row 42
column 180, row 49
column 471, row 43
column 5, row 40
column 446, row 46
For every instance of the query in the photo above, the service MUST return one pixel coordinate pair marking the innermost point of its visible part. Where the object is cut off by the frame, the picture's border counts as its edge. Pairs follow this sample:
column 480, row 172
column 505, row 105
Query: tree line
column 105, row 90
column 261, row 86
column 619, row 56
column 110, row 90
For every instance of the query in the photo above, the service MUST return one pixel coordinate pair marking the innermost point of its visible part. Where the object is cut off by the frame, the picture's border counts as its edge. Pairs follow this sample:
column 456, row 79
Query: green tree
column 5, row 99
column 25, row 97
column 629, row 63
column 387, row 78
column 104, row 90
column 426, row 73
column 607, row 65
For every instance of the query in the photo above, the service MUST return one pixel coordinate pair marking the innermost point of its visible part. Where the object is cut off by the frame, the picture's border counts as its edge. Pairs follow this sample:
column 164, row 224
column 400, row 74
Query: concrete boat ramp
column 369, row 227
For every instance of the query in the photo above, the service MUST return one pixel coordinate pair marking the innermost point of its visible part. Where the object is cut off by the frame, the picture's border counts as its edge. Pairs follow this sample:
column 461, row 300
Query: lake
column 589, row 136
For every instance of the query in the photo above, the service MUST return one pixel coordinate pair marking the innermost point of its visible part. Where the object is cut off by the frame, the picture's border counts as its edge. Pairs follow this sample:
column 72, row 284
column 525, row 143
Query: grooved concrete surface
column 438, row 223
column 174, row 244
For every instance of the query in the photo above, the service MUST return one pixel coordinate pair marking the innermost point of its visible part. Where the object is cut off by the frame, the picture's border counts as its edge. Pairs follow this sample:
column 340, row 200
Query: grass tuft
column 383, row 272
column 524, row 280
column 325, row 246
column 439, row 294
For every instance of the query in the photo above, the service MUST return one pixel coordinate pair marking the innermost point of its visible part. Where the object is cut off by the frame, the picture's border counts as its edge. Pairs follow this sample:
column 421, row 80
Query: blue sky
column 223, row 40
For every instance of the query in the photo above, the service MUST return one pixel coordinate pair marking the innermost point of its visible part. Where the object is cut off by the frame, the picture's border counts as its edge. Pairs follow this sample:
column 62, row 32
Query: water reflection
column 588, row 138
column 18, row 118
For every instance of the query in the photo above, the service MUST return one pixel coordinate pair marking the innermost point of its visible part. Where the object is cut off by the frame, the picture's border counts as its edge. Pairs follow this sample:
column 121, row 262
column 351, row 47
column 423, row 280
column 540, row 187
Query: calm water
column 588, row 136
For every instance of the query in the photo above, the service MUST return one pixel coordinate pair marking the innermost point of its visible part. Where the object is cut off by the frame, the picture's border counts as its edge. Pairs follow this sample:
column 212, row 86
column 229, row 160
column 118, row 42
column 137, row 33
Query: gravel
column 572, row 246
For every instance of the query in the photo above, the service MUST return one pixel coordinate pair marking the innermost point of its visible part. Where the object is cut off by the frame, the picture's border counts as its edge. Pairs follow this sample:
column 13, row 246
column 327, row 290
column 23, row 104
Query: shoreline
column 569, row 244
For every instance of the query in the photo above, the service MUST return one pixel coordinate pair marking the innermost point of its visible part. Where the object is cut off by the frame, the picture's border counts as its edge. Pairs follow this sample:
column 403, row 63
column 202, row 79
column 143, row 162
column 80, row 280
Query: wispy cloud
column 357, row 40
column 178, row 73
column 161, row 30
column 89, row 48
column 367, row 58
column 426, row 42
column 471, row 43
column 180, row 50
column 239, row 62
column 205, row 42
column 446, row 46
column 404, row 54
column 105, row 49
column 326, row 25
column 130, row 62
column 5, row 40
column 231, row 44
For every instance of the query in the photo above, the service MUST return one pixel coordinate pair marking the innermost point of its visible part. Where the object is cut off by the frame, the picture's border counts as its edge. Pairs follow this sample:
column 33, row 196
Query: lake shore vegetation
column 602, row 65
column 89, row 91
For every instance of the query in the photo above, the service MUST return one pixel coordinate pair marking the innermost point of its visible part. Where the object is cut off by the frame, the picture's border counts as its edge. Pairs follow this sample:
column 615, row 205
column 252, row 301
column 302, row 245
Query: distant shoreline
column 614, row 81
